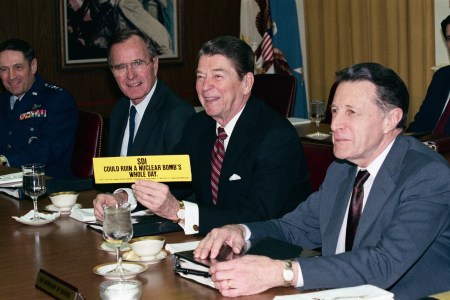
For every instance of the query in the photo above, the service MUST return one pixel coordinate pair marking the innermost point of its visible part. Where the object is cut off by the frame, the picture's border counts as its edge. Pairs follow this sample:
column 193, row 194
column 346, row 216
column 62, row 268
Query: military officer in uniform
column 37, row 119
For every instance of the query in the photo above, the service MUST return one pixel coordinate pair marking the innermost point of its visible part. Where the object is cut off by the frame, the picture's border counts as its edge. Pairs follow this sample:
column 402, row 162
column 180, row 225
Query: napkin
column 200, row 279
column 30, row 214
column 351, row 293
column 179, row 247
column 83, row 214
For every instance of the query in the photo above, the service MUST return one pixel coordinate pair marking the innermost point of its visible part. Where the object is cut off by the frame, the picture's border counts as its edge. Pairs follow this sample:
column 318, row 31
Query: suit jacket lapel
column 338, row 213
column 240, row 137
column 203, row 163
column 120, row 131
column 148, row 121
column 382, row 187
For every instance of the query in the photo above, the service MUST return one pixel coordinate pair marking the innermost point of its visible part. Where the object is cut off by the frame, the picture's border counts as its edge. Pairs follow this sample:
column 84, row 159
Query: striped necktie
column 355, row 208
column 131, row 126
column 440, row 126
column 216, row 162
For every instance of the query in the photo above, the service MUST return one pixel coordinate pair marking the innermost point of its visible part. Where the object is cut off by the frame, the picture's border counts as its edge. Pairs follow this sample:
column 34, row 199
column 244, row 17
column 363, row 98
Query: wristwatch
column 181, row 213
column 288, row 273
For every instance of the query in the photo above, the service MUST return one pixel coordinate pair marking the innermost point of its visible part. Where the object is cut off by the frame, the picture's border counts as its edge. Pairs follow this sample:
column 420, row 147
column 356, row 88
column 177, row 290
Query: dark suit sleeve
column 430, row 111
column 176, row 120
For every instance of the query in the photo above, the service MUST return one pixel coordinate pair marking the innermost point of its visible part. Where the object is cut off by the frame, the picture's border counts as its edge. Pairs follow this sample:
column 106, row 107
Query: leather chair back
column 318, row 158
column 88, row 143
column 277, row 90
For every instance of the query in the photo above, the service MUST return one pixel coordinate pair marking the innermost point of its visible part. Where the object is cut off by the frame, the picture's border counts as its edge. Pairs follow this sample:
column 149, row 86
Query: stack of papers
column 367, row 291
column 180, row 247
column 87, row 215
column 11, row 180
column 83, row 214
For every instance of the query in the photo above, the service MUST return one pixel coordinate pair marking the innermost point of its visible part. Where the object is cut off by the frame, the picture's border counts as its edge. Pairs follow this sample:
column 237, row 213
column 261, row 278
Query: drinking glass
column 317, row 114
column 117, row 229
column 33, row 185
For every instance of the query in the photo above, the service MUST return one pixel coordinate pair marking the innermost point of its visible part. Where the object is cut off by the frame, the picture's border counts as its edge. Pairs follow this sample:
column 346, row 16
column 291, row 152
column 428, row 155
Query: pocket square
column 234, row 177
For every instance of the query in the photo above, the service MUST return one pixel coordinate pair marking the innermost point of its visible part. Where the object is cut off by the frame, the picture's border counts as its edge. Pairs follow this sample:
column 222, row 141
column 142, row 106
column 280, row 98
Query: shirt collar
column 230, row 126
column 141, row 107
column 376, row 164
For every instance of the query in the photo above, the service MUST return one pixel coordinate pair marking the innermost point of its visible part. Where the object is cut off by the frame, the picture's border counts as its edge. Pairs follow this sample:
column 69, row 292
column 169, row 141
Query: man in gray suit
column 402, row 241
column 160, row 114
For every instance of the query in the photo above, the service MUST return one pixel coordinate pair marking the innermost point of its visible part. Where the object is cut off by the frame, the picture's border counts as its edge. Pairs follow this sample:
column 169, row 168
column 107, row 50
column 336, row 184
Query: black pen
column 192, row 272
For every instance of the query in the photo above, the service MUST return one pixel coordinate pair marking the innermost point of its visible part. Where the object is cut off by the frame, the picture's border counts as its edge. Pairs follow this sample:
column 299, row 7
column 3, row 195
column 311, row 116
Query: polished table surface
column 69, row 250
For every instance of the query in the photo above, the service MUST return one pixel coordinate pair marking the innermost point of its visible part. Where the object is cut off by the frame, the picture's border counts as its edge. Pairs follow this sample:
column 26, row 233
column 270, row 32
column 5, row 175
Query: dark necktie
column 355, row 208
column 216, row 162
column 442, row 120
column 131, row 126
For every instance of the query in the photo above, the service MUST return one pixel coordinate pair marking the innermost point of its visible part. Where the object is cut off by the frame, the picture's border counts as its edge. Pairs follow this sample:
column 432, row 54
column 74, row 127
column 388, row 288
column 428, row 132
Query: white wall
column 441, row 11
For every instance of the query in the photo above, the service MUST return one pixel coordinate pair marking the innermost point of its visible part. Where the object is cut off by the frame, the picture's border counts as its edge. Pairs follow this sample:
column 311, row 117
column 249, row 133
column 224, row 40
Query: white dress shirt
column 140, row 110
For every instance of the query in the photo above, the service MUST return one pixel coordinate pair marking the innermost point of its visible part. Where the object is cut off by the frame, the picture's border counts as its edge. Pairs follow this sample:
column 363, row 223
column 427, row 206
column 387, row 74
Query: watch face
column 181, row 214
column 288, row 275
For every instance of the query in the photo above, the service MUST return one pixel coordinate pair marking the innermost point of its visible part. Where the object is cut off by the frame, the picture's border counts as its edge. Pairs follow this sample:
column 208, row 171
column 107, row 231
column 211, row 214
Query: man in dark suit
column 160, row 113
column 437, row 96
column 264, row 172
column 38, row 120
column 401, row 239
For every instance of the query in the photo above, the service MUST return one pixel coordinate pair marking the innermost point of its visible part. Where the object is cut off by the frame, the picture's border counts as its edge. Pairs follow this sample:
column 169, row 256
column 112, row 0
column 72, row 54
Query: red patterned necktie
column 442, row 120
column 355, row 208
column 216, row 162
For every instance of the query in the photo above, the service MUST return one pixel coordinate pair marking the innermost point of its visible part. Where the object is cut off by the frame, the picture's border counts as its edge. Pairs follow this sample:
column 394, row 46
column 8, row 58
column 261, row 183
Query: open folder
column 197, row 269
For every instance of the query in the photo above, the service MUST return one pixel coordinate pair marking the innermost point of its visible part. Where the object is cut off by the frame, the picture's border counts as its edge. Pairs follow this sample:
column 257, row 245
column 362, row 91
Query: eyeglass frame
column 120, row 69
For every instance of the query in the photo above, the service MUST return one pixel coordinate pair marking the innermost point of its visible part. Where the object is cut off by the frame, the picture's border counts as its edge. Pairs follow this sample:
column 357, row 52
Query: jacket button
column 31, row 128
column 8, row 146
column 10, row 132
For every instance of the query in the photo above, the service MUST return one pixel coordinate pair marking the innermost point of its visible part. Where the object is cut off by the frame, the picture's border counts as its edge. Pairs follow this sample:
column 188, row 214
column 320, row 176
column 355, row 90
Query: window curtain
column 396, row 33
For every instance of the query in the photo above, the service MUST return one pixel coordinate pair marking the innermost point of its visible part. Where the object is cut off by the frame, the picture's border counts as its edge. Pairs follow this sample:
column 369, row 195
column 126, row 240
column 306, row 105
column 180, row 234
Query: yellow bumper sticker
column 161, row 168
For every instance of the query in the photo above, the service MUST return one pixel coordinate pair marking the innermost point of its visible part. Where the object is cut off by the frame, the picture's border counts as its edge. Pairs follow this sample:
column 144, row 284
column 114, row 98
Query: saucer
column 131, row 270
column 26, row 219
column 314, row 136
column 53, row 208
column 105, row 246
column 131, row 256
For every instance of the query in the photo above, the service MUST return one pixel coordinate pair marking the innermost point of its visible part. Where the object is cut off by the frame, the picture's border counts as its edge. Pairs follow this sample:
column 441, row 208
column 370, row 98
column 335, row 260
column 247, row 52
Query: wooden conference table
column 69, row 250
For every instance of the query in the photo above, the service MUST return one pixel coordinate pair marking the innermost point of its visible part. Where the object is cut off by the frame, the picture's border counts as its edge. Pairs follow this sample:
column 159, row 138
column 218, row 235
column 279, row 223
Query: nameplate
column 56, row 287
column 127, row 169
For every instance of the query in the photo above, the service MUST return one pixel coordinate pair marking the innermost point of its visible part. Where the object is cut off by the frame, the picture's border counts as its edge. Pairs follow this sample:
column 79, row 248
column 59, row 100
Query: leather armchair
column 318, row 158
column 277, row 90
column 88, row 143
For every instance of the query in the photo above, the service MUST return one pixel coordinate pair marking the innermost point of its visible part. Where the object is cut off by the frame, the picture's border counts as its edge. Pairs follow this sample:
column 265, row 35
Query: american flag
column 266, row 46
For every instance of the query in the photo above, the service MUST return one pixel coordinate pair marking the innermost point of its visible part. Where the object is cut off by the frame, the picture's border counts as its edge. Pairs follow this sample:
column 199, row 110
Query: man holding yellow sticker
column 247, row 161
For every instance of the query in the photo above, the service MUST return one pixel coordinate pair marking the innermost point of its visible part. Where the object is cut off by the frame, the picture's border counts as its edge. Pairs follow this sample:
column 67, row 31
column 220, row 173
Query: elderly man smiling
column 247, row 160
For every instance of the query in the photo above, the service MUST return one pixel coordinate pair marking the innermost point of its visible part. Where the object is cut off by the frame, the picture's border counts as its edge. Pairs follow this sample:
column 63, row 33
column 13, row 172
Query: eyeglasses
column 137, row 65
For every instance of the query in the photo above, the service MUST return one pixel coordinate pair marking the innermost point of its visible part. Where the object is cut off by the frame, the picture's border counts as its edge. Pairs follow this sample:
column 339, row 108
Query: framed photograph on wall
column 85, row 27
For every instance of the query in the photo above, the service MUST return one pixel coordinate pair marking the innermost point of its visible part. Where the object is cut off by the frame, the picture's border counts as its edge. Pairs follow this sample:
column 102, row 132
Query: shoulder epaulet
column 52, row 87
